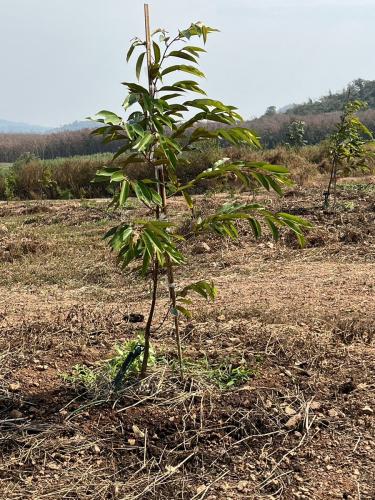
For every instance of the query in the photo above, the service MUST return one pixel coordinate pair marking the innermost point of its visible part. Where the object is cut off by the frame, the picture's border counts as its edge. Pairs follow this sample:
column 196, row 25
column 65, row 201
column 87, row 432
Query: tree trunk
column 146, row 352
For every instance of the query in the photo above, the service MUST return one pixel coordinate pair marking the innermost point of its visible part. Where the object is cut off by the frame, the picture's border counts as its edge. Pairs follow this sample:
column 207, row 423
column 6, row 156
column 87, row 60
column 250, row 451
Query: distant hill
column 77, row 125
column 9, row 127
column 358, row 89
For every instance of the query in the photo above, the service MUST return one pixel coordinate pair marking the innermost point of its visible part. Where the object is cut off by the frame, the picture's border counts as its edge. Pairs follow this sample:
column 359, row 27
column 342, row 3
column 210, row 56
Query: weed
column 228, row 375
column 82, row 375
column 349, row 205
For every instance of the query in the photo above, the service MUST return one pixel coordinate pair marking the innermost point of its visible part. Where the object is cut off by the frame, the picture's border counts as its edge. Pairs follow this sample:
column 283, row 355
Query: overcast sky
column 62, row 60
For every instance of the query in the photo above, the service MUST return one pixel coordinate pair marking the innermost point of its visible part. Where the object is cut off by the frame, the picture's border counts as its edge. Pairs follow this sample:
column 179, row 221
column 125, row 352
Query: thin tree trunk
column 146, row 353
column 332, row 182
column 334, row 189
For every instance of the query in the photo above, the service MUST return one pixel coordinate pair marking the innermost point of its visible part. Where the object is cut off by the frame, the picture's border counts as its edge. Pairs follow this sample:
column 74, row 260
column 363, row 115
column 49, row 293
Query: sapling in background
column 296, row 134
column 348, row 149
column 160, row 125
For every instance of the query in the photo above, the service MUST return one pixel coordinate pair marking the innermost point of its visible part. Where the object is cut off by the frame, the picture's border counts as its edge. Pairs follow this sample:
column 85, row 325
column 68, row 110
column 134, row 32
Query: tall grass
column 62, row 178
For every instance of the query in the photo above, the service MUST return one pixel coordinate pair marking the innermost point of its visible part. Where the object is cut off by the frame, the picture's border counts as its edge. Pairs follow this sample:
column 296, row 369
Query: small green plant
column 82, row 375
column 228, row 375
column 348, row 149
column 349, row 205
column 160, row 126
column 296, row 134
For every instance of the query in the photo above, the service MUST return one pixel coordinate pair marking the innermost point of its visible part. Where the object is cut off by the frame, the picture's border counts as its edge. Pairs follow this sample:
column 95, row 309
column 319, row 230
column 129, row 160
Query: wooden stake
column 148, row 46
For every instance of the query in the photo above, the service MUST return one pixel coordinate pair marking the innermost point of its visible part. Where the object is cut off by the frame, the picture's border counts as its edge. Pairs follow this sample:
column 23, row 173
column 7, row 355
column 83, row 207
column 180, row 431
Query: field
column 278, row 398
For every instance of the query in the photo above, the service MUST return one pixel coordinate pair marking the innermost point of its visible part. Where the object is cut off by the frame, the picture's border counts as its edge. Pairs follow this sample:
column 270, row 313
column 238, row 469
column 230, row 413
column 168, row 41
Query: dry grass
column 300, row 320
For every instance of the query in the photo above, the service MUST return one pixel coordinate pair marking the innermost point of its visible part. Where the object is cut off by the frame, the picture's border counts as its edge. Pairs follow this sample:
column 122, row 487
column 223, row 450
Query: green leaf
column 157, row 54
column 275, row 185
column 130, row 52
column 183, row 85
column 204, row 288
column 295, row 219
column 130, row 100
column 108, row 117
column 272, row 168
column 188, row 199
column 139, row 64
column 182, row 55
column 143, row 142
column 255, row 226
column 184, row 311
column 193, row 50
column 183, row 67
column 134, row 87
column 210, row 102
column 118, row 176
column 262, row 180
column 273, row 228
column 166, row 97
column 196, row 29
column 124, row 193
column 106, row 171
column 146, row 194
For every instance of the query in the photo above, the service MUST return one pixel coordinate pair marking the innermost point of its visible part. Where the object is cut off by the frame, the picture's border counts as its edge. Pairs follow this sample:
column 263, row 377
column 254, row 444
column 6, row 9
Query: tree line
column 54, row 145
column 273, row 129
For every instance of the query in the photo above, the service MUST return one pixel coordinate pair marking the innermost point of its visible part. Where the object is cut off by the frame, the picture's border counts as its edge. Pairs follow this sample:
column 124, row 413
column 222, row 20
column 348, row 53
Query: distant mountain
column 358, row 89
column 9, row 127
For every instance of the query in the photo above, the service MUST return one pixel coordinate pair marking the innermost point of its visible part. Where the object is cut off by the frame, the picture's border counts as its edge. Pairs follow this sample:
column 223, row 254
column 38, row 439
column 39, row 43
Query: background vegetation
column 61, row 165
column 64, row 178
column 364, row 90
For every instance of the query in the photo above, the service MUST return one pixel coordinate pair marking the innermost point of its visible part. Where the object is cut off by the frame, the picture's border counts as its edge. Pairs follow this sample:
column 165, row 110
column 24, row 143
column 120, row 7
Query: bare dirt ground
column 301, row 321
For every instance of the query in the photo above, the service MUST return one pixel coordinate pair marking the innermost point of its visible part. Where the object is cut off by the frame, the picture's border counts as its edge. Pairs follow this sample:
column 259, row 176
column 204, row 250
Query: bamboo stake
column 148, row 48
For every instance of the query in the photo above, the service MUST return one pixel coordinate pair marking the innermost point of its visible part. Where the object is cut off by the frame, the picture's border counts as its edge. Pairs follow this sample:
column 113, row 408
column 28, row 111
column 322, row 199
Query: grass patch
column 225, row 375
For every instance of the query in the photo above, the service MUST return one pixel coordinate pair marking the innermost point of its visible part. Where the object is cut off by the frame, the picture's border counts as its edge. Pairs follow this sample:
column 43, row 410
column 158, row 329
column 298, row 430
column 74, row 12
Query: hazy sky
column 62, row 60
